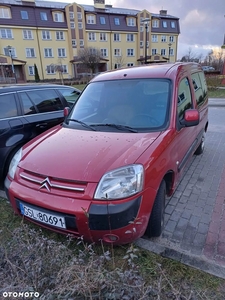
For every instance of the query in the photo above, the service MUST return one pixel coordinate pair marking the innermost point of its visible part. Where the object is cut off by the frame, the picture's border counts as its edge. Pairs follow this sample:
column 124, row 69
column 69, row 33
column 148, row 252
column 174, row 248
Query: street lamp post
column 13, row 69
column 146, row 23
column 169, row 51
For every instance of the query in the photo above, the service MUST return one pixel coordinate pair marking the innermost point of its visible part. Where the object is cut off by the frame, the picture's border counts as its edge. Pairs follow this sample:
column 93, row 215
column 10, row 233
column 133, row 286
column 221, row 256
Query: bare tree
column 59, row 67
column 119, row 62
column 90, row 57
column 191, row 56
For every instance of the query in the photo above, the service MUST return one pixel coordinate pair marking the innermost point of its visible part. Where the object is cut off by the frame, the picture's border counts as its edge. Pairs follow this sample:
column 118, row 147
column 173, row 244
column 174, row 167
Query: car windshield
column 133, row 104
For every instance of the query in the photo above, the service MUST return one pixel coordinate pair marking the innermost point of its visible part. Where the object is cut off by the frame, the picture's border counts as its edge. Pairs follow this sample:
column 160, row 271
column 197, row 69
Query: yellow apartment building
column 51, row 35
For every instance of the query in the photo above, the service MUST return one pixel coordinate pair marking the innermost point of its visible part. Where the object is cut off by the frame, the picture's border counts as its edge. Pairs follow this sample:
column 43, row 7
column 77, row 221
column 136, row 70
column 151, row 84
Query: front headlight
column 120, row 183
column 14, row 163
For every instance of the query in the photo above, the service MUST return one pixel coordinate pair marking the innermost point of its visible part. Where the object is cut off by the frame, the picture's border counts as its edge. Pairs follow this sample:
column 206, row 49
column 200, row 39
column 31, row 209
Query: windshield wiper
column 117, row 126
column 82, row 123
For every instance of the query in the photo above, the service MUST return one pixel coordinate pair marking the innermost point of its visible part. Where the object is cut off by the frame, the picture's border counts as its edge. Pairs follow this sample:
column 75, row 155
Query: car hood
column 83, row 155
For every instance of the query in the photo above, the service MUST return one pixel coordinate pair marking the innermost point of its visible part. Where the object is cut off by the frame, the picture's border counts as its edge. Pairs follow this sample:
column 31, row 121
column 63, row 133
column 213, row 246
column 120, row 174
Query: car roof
column 157, row 70
column 25, row 87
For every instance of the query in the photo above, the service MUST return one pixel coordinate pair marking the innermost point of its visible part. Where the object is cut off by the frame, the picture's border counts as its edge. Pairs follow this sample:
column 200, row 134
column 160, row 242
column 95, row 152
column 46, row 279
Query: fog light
column 110, row 238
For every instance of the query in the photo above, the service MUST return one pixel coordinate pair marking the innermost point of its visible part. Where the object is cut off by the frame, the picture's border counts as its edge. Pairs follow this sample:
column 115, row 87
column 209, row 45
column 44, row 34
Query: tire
column 201, row 147
column 156, row 221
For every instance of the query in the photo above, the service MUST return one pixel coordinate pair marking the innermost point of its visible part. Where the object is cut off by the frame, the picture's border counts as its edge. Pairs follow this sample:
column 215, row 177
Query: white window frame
column 51, row 69
column 64, row 69
column 31, row 71
column 103, row 36
column 116, row 37
column 61, row 52
column 141, row 44
column 71, row 14
column 6, row 33
column 163, row 51
column 27, row 34
column 117, row 21
column 48, row 52
column 92, row 36
column 104, row 52
column 80, row 25
column 141, row 28
column 171, row 52
column 5, row 13
column 91, row 19
column 130, row 52
column 72, row 25
column 131, row 22
column 81, row 43
column 171, row 39
column 173, row 24
column 13, row 52
column 155, row 23
column 154, row 38
column 130, row 37
column 60, row 35
column 74, row 43
column 164, row 24
column 102, row 20
column 154, row 51
column 130, row 64
column 24, row 15
column 79, row 16
column 117, row 52
column 46, row 35
column 163, row 38
column 58, row 17
column 43, row 16
column 117, row 65
column 30, row 52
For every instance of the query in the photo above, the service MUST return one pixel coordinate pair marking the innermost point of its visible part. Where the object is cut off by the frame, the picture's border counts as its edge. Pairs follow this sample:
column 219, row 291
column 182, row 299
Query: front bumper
column 117, row 222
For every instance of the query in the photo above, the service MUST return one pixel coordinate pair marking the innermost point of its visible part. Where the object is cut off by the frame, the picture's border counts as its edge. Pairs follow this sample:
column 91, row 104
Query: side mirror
column 66, row 111
column 191, row 118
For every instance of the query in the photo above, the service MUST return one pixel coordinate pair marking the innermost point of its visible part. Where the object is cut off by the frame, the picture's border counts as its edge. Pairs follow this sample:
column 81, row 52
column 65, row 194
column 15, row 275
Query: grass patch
column 59, row 267
column 216, row 93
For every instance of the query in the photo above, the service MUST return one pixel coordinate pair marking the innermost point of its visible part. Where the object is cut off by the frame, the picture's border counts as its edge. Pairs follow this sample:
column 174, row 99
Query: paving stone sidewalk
column 195, row 216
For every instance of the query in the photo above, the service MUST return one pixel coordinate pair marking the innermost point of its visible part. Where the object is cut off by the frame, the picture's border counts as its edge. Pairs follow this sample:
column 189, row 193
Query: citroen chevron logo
column 46, row 184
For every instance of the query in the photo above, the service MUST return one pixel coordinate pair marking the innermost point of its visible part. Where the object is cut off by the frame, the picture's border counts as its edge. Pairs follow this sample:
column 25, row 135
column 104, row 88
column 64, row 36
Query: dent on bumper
column 113, row 216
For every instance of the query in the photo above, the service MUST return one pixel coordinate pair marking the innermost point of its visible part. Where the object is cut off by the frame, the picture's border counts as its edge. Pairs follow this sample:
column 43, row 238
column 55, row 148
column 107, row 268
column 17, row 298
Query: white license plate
column 43, row 217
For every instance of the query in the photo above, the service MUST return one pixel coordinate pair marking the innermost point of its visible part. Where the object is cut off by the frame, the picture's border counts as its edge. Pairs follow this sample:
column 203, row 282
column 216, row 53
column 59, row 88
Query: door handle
column 42, row 125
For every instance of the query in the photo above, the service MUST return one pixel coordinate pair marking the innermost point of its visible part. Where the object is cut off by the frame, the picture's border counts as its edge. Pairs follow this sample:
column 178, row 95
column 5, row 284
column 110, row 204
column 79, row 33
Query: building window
column 6, row 34
column 71, row 16
column 43, row 16
column 117, row 52
column 130, row 37
column 154, row 38
column 72, row 25
column 80, row 25
column 24, row 14
column 64, row 69
column 117, row 66
column 130, row 52
column 31, row 70
column 116, row 37
column 48, row 52
column 102, row 20
column 163, row 38
column 131, row 22
column 155, row 23
column 79, row 16
column 171, row 52
column 103, row 36
column 93, row 51
column 50, row 69
column 104, row 52
column 163, row 51
column 81, row 43
column 30, row 52
column 61, row 52
column 141, row 44
column 59, row 35
column 91, row 36
column 141, row 28
column 46, row 35
column 154, row 51
column 74, row 43
column 12, row 50
column 172, row 23
column 164, row 24
column 171, row 39
column 27, row 34
column 130, row 64
column 117, row 21
column 58, row 17
column 4, row 13
column 90, row 19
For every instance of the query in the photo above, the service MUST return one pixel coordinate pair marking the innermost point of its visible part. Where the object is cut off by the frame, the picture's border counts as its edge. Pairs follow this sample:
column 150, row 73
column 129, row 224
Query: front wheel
column 201, row 147
column 156, row 221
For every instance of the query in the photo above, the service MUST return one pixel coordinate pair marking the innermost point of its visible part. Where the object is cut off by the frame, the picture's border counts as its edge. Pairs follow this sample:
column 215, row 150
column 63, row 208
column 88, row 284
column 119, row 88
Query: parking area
column 195, row 216
column 194, row 232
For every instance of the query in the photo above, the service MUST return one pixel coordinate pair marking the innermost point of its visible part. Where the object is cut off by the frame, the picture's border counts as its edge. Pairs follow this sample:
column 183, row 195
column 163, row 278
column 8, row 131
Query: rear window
column 8, row 106
column 200, row 87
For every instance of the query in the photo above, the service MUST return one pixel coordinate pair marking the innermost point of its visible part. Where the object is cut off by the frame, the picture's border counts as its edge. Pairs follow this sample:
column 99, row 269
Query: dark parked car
column 25, row 112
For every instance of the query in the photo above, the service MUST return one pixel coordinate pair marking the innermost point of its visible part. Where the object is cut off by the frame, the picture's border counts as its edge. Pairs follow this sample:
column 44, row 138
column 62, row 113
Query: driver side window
column 184, row 101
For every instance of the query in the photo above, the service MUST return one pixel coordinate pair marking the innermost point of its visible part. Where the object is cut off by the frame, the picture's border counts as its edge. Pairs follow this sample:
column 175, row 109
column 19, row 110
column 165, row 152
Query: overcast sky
column 202, row 22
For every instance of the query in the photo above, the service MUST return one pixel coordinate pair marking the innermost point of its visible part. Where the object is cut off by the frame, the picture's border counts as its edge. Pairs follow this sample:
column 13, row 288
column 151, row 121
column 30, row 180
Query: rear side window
column 28, row 106
column 184, row 101
column 200, row 88
column 8, row 106
column 45, row 100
